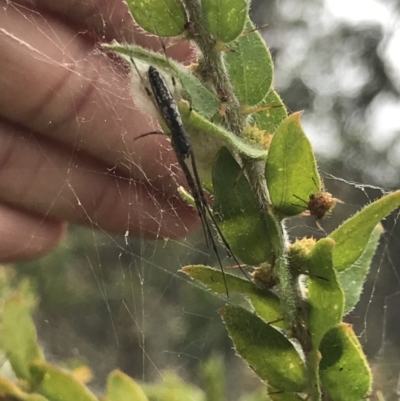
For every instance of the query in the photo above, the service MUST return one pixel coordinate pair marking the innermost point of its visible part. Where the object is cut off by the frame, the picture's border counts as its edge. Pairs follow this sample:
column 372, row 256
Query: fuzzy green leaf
column 291, row 169
column 267, row 306
column 344, row 371
column 213, row 279
column 162, row 18
column 352, row 279
column 19, row 338
column 120, row 387
column 194, row 121
column 173, row 388
column 201, row 98
column 270, row 120
column 236, row 206
column 33, row 397
column 226, row 18
column 268, row 352
column 265, row 303
column 325, row 295
column 56, row 382
column 212, row 376
column 353, row 235
column 208, row 138
column 250, row 67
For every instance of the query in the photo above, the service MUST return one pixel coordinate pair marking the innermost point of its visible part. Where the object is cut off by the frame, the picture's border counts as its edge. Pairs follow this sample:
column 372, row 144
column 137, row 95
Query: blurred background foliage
column 112, row 302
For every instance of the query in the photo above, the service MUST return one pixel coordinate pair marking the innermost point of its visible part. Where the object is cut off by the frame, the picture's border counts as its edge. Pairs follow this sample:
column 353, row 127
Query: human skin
column 68, row 125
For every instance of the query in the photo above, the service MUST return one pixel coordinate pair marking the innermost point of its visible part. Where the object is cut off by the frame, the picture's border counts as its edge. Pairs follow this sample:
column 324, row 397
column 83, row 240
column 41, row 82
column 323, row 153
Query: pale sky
column 383, row 119
column 359, row 10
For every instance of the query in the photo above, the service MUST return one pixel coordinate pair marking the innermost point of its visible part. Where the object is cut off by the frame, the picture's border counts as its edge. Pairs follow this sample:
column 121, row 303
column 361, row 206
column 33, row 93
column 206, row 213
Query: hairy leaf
column 353, row 278
column 120, row 387
column 291, row 168
column 352, row 236
column 265, row 303
column 162, row 18
column 325, row 296
column 226, row 18
column 250, row 67
column 55, row 382
column 344, row 371
column 19, row 338
column 238, row 210
column 268, row 352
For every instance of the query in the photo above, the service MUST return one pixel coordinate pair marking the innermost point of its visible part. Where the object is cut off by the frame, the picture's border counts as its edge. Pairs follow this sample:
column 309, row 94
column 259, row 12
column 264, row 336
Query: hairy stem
column 212, row 63
column 213, row 66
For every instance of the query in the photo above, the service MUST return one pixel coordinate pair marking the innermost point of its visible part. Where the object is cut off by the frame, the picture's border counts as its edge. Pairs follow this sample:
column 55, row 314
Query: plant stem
column 212, row 63
column 213, row 66
column 256, row 177
column 314, row 391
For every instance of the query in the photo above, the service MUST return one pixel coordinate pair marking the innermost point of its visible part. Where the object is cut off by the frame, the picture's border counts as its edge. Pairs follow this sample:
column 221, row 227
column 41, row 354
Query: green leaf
column 344, row 371
column 212, row 278
column 270, row 120
column 237, row 208
column 204, row 132
column 267, row 306
column 33, row 397
column 207, row 139
column 264, row 120
column 173, row 388
column 19, row 337
column 352, row 279
column 120, row 387
column 250, row 67
column 268, row 352
column 57, row 384
column 162, row 18
column 353, row 235
column 291, row 169
column 325, row 295
column 226, row 18
column 265, row 302
column 212, row 376
column 201, row 98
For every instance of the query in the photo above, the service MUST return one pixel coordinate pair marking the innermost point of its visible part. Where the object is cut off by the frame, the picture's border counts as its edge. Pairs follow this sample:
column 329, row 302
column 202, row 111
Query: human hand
column 67, row 130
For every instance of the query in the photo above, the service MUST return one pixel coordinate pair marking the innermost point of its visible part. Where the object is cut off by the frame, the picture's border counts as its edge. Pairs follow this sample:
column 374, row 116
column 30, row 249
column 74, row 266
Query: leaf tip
column 185, row 269
column 296, row 116
column 380, row 228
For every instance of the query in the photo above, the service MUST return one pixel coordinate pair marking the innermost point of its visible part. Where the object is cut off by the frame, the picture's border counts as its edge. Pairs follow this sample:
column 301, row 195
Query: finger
column 108, row 20
column 75, row 95
column 24, row 236
column 62, row 183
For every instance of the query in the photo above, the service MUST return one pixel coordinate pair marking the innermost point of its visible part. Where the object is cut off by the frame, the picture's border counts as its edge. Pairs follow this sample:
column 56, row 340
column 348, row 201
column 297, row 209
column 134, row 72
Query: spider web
column 119, row 301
